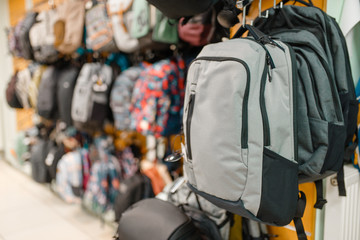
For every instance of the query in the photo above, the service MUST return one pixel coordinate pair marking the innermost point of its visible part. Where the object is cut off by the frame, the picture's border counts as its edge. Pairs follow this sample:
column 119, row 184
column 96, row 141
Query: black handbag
column 155, row 219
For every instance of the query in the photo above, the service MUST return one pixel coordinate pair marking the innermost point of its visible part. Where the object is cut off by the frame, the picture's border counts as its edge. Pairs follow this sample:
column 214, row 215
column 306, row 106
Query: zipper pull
column 269, row 60
column 269, row 74
column 271, row 65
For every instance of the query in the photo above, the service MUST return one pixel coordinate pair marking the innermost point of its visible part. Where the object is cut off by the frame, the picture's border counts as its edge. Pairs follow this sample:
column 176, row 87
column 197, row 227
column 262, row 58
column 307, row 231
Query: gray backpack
column 90, row 100
column 120, row 97
column 42, row 37
column 328, row 133
column 47, row 101
column 240, row 130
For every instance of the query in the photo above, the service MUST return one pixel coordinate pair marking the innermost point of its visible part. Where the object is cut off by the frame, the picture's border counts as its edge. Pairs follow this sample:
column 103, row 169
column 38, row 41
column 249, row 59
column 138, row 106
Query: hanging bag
column 99, row 32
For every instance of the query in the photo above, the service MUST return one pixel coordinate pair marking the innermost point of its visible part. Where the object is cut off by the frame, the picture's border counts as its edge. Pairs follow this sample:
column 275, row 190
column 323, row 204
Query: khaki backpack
column 69, row 26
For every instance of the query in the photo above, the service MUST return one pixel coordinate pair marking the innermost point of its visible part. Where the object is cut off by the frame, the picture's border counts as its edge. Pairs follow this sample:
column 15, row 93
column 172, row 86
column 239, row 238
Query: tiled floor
column 30, row 211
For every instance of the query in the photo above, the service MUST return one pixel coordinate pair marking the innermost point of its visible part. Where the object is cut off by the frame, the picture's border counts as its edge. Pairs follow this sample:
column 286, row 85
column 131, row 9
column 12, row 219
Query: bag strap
column 300, row 209
column 340, row 177
column 308, row 4
column 320, row 201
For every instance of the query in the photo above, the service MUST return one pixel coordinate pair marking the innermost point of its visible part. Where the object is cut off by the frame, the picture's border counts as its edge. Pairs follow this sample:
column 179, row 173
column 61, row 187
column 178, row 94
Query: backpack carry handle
column 308, row 4
column 256, row 33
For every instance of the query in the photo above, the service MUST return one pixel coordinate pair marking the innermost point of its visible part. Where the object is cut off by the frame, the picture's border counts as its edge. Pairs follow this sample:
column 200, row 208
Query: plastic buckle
column 320, row 203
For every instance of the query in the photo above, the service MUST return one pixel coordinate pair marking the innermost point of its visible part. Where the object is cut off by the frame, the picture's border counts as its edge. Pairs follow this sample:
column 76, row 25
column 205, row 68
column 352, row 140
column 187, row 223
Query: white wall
column 7, row 115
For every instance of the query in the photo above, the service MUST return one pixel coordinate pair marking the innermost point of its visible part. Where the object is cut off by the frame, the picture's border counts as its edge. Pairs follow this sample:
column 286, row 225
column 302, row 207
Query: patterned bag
column 129, row 163
column 158, row 97
column 69, row 177
column 104, row 182
column 120, row 97
column 99, row 33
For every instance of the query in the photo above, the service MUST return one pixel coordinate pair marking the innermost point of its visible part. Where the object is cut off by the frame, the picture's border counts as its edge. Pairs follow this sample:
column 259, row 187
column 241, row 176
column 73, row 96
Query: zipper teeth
column 272, row 64
column 244, row 128
column 265, row 119
column 188, row 124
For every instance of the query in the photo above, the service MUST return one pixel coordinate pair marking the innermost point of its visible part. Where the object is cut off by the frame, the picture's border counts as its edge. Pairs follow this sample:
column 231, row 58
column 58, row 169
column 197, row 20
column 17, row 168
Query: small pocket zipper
column 188, row 124
column 265, row 119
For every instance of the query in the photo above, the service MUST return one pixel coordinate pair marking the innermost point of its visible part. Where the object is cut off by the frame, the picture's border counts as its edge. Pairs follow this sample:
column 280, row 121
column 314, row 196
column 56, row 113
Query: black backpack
column 132, row 190
column 66, row 81
column 39, row 152
column 155, row 219
column 53, row 157
column 47, row 101
column 177, row 9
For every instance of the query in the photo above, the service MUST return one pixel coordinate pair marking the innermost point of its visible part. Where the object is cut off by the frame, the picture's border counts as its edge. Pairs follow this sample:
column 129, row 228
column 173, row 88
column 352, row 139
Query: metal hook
column 274, row 4
column 266, row 14
column 281, row 4
column 244, row 16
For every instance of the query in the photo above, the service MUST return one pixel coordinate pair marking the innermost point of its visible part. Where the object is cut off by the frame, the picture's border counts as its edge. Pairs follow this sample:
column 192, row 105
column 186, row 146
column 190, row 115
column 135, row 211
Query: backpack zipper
column 265, row 119
column 269, row 65
column 188, row 124
column 244, row 124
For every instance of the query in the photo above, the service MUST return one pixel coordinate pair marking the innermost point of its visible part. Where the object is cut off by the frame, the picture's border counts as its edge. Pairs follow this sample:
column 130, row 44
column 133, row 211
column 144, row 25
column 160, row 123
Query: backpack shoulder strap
column 300, row 209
